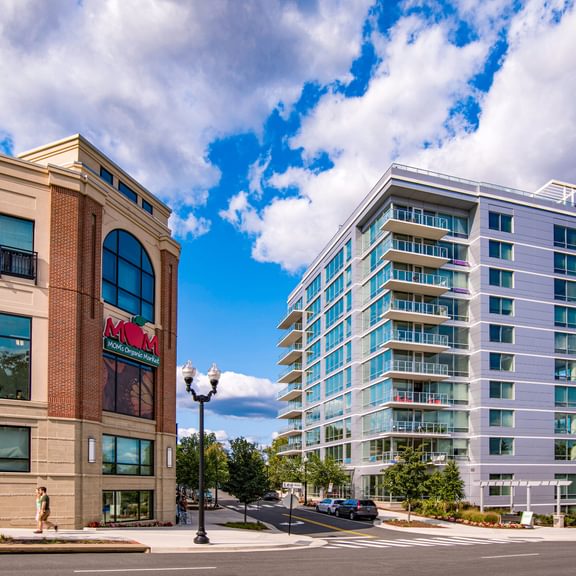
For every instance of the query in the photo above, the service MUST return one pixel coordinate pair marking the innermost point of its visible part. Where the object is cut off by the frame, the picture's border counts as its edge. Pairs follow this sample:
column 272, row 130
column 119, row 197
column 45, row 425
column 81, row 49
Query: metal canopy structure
column 528, row 484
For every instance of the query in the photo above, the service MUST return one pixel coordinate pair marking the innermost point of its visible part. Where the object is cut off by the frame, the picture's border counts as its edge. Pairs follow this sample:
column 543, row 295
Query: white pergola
column 529, row 484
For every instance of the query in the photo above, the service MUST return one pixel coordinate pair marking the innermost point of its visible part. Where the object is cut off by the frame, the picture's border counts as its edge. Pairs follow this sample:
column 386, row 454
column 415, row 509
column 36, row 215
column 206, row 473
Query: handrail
column 416, row 218
column 18, row 262
column 415, row 248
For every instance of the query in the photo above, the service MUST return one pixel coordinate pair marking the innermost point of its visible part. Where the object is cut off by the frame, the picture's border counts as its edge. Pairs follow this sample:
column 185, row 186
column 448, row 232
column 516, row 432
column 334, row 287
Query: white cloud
column 238, row 395
column 525, row 135
column 154, row 82
column 221, row 435
column 189, row 225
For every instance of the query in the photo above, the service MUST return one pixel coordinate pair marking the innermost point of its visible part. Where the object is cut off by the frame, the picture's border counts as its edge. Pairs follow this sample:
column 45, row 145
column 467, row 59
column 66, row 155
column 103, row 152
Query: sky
column 263, row 123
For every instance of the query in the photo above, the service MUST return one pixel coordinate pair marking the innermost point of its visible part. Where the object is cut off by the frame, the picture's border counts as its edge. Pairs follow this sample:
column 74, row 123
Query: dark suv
column 356, row 509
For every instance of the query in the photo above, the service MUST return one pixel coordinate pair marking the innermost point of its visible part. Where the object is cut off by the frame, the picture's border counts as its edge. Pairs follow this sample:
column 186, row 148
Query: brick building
column 88, row 299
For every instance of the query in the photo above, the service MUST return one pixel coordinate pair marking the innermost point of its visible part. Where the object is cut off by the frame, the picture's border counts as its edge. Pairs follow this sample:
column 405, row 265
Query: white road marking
column 145, row 569
column 509, row 556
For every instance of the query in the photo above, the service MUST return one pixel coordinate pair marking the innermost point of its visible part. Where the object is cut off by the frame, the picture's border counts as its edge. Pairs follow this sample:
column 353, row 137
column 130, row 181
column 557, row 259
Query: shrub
column 491, row 517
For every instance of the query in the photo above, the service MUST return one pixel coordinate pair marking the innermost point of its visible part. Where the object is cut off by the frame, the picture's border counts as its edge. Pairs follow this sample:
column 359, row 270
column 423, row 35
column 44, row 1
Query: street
column 512, row 559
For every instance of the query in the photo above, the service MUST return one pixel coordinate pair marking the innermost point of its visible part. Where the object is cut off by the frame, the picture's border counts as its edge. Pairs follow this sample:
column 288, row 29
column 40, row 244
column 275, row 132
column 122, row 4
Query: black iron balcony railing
column 18, row 262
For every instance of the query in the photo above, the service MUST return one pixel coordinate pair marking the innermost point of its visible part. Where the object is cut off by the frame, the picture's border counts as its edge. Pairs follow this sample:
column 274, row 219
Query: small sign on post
column 292, row 485
column 527, row 519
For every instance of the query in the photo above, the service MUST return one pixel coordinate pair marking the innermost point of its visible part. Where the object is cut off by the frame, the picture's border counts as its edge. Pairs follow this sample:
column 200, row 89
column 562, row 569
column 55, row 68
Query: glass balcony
column 290, row 392
column 292, row 335
column 428, row 457
column 293, row 410
column 293, row 314
column 293, row 429
column 421, row 312
column 293, row 372
column 430, row 399
column 414, row 370
column 415, row 282
column 417, row 341
column 415, row 253
column 291, row 354
column 415, row 224
column 293, row 448
column 401, row 427
column 17, row 262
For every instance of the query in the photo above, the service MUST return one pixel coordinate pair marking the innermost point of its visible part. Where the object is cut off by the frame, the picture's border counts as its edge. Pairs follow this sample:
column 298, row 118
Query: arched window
column 127, row 275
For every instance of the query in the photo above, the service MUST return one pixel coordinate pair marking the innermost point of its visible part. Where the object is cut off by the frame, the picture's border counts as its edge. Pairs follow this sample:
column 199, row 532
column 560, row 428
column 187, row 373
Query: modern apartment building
column 441, row 316
column 88, row 278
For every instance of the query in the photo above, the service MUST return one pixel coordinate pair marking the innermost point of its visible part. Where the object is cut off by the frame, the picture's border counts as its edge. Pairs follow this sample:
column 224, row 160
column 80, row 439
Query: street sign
column 292, row 485
column 290, row 501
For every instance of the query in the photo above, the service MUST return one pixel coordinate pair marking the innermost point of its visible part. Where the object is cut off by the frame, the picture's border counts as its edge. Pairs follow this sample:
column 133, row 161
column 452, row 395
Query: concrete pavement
column 180, row 539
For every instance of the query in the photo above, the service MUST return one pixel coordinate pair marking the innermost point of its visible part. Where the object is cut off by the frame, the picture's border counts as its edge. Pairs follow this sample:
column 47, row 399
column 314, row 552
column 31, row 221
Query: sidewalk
column 180, row 539
column 452, row 529
column 166, row 540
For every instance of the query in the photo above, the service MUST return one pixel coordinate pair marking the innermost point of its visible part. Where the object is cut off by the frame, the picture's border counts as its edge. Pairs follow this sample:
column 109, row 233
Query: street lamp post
column 188, row 371
column 305, row 460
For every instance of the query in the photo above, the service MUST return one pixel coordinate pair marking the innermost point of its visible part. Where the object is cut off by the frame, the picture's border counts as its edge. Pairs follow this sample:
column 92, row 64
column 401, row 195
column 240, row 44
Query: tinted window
column 16, row 233
column 15, row 357
column 127, row 275
column 106, row 175
column 367, row 503
column 127, row 191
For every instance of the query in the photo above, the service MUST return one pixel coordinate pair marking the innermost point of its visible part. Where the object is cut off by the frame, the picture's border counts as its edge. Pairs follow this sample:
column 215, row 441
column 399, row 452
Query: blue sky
column 264, row 122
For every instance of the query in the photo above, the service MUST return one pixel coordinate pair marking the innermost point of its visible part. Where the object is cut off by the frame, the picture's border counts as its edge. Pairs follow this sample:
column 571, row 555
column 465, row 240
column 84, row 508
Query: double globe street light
column 189, row 372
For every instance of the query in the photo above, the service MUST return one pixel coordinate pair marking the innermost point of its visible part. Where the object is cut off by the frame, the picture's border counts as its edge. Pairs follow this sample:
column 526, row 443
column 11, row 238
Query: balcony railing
column 418, row 307
column 292, row 406
column 291, row 368
column 297, row 347
column 416, row 277
column 295, row 326
column 289, row 388
column 296, row 427
column 17, row 262
column 402, row 427
column 290, row 447
column 416, row 248
column 417, row 397
column 416, row 218
column 416, row 337
column 416, row 367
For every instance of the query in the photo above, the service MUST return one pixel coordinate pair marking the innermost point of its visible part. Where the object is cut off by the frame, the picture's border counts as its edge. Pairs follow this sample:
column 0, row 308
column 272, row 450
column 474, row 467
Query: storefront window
column 127, row 456
column 14, row 449
column 127, row 505
column 128, row 387
column 15, row 357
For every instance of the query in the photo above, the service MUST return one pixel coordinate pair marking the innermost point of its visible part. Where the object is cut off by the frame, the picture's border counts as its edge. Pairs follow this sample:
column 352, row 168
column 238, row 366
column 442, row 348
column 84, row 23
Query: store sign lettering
column 128, row 339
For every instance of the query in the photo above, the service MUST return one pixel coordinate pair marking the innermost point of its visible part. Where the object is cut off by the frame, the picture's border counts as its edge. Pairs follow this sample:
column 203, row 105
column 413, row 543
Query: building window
column 565, row 450
column 501, row 362
column 567, row 492
column 334, row 266
column 502, row 390
column 334, row 290
column 128, row 192
column 564, row 343
column 501, row 446
column 503, row 278
column 499, row 333
column 564, row 423
column 501, row 250
column 341, row 453
column 14, row 449
column 313, row 288
column 564, row 290
column 500, row 490
column 127, row 505
column 502, row 306
column 106, row 176
column 147, row 206
column 500, row 222
column 127, row 456
column 15, row 357
column 564, row 264
column 502, row 418
column 565, row 370
column 127, row 275
column 564, row 317
column 128, row 387
column 16, row 247
column 565, row 396
column 565, row 237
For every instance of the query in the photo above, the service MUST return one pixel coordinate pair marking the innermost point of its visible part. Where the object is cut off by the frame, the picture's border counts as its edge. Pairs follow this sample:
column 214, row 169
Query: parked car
column 356, row 509
column 329, row 505
column 271, row 496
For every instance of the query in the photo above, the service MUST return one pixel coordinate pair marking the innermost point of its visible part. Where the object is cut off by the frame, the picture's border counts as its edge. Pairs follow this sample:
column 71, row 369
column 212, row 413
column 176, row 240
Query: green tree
column 247, row 473
column 188, row 459
column 281, row 468
column 322, row 473
column 452, row 485
column 216, row 468
column 407, row 478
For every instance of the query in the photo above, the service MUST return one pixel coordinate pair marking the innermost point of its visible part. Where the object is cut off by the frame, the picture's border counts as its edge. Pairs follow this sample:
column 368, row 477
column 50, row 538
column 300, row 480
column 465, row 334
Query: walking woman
column 44, row 511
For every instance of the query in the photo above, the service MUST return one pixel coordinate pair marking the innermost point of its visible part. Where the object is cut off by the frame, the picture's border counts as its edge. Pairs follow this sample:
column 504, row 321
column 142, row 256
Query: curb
column 71, row 548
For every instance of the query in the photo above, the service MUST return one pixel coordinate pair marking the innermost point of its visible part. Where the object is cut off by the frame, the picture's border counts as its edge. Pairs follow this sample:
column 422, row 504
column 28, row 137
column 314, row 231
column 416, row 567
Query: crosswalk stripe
column 371, row 544
column 433, row 542
column 407, row 543
column 414, row 543
column 482, row 540
column 457, row 542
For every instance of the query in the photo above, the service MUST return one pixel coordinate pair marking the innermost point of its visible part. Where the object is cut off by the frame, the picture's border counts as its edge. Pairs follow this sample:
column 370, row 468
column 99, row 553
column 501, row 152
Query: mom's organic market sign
column 129, row 340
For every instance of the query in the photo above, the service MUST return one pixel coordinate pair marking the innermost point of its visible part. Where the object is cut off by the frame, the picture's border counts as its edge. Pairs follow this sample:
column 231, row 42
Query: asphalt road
column 513, row 559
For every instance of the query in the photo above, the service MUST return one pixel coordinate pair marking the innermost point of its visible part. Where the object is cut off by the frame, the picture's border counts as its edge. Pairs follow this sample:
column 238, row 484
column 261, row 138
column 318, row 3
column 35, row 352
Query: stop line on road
column 415, row 542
